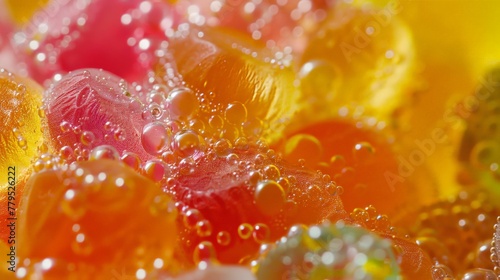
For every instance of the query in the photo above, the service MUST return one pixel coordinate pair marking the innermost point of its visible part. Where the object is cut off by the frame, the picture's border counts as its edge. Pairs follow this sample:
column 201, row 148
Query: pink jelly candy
column 89, row 108
column 115, row 35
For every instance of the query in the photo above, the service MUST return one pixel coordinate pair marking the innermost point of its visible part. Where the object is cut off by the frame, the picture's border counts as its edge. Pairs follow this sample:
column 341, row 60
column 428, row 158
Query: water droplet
column 87, row 138
column 154, row 170
column 363, row 152
column 261, row 233
column 191, row 217
column 204, row 228
column 186, row 142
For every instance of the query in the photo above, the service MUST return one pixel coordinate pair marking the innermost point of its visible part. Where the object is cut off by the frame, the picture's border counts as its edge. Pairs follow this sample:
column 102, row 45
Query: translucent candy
column 87, row 107
column 233, row 70
column 360, row 57
column 20, row 136
column 248, row 200
column 92, row 207
column 117, row 36
column 361, row 159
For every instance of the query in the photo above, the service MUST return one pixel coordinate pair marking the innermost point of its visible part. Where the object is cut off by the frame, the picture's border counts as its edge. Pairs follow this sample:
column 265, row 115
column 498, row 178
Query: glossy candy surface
column 68, row 35
column 82, row 217
column 230, row 67
column 85, row 109
column 241, row 199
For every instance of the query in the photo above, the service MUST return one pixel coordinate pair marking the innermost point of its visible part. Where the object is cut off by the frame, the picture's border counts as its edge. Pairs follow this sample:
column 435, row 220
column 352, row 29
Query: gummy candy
column 359, row 58
column 85, row 110
column 235, row 201
column 78, row 220
column 230, row 67
column 20, row 136
column 69, row 36
column 359, row 158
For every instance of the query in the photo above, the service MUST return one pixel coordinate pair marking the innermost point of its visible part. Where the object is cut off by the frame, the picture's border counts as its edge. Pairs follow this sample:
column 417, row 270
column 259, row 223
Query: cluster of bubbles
column 326, row 251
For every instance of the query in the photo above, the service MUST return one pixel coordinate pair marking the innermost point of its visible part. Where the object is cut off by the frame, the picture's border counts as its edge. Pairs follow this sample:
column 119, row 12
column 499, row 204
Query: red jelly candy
column 118, row 36
column 233, row 201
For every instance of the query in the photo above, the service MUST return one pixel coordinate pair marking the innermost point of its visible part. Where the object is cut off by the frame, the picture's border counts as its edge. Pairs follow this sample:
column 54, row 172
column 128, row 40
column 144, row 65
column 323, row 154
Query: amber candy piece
column 229, row 67
column 93, row 217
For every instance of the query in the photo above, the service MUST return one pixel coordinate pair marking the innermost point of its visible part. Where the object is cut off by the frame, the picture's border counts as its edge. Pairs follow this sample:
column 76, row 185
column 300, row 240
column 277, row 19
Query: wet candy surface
column 68, row 35
column 85, row 109
column 82, row 216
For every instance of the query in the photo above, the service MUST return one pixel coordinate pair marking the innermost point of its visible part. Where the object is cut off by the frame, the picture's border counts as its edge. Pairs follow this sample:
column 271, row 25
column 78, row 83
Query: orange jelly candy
column 231, row 69
column 359, row 159
column 79, row 220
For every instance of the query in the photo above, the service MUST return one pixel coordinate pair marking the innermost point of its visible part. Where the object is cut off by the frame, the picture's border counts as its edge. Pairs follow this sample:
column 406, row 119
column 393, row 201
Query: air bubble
column 104, row 152
column 154, row 170
column 245, row 230
column 236, row 113
column 182, row 103
column 269, row 197
column 87, row 138
column 223, row 238
column 155, row 138
column 187, row 142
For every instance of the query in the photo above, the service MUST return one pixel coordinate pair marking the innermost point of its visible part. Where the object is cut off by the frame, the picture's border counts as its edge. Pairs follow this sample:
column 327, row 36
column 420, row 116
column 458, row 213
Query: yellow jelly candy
column 20, row 133
column 361, row 58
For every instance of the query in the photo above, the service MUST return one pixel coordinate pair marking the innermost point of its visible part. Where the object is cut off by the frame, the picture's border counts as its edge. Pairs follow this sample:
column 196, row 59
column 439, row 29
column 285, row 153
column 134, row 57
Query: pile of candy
column 249, row 139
